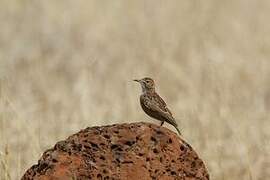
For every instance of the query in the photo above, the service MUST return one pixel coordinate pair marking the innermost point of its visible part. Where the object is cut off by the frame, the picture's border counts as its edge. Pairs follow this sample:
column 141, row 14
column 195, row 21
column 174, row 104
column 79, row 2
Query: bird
column 153, row 105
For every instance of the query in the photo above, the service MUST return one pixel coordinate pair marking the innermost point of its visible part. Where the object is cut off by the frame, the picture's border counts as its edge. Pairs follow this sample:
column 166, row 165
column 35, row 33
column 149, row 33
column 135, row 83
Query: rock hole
column 87, row 147
column 182, row 148
column 102, row 158
column 153, row 139
column 106, row 136
column 116, row 147
column 128, row 162
column 94, row 145
column 193, row 164
column 160, row 132
column 129, row 143
column 155, row 151
column 104, row 171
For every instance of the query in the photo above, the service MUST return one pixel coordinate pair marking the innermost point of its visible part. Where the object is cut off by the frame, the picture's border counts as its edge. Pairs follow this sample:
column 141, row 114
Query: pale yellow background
column 66, row 65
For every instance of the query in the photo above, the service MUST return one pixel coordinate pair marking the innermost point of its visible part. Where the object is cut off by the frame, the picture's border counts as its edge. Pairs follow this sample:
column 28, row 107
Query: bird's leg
column 162, row 122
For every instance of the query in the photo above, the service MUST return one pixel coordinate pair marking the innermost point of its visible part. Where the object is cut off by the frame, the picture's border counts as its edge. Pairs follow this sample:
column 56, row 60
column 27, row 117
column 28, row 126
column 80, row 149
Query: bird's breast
column 147, row 110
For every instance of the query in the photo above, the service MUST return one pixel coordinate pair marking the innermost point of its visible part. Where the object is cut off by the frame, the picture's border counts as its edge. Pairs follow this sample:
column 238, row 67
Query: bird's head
column 147, row 84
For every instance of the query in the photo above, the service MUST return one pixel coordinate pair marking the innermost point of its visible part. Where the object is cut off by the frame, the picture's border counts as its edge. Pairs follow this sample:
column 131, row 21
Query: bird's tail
column 172, row 121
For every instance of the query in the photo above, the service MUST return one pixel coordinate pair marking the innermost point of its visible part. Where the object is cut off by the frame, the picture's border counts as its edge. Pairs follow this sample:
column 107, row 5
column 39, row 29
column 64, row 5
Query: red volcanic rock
column 121, row 151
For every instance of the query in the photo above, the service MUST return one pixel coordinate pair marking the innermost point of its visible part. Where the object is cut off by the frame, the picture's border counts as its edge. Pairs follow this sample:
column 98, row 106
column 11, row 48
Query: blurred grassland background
column 66, row 65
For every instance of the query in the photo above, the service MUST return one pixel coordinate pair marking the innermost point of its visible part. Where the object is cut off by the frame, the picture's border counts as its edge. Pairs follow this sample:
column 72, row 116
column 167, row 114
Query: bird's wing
column 161, row 103
column 156, row 105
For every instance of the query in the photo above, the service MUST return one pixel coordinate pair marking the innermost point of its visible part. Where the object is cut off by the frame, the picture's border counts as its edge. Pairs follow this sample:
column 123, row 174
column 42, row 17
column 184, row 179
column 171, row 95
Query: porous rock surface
column 121, row 151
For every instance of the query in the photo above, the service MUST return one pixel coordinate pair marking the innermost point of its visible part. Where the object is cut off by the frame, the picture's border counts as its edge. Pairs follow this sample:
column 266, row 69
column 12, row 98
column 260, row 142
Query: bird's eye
column 147, row 81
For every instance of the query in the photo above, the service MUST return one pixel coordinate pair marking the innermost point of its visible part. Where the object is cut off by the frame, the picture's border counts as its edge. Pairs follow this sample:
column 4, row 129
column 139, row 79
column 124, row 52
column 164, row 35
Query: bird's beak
column 136, row 80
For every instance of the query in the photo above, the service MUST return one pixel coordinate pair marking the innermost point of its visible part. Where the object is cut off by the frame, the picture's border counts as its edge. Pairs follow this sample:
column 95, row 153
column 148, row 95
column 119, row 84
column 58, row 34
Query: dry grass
column 66, row 65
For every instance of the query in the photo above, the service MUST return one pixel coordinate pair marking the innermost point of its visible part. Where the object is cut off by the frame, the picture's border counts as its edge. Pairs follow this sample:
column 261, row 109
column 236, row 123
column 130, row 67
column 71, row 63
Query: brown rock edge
column 121, row 151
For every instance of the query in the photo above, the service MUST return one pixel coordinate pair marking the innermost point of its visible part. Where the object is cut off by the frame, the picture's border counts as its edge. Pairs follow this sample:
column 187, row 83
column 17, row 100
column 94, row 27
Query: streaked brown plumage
column 153, row 104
